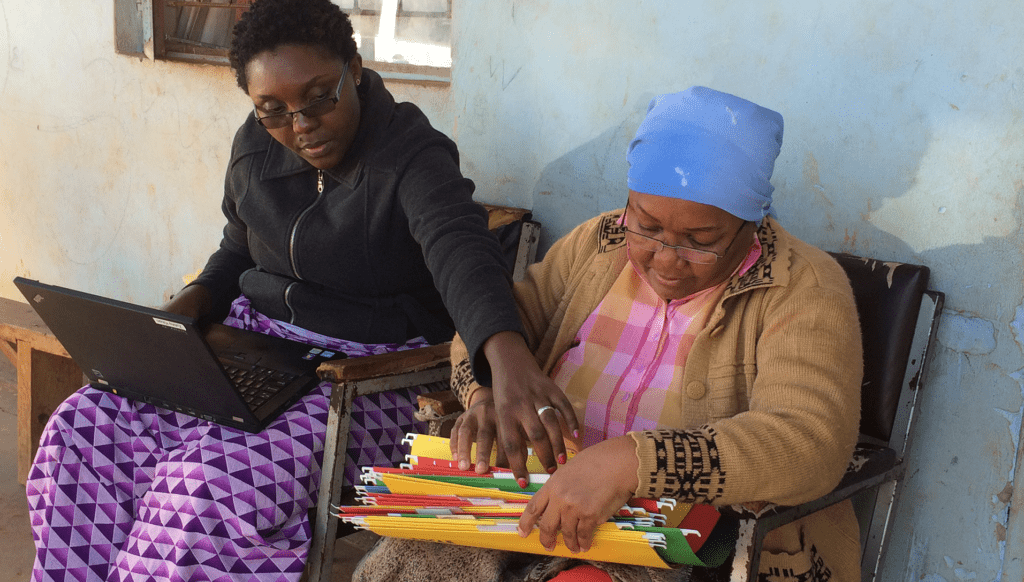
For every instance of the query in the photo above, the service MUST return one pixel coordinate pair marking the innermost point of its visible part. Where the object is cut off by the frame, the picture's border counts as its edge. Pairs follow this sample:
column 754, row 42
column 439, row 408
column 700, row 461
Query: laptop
column 218, row 373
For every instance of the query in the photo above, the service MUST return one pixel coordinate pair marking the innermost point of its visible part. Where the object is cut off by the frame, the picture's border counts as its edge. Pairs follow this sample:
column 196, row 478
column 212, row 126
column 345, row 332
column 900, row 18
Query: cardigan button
column 695, row 390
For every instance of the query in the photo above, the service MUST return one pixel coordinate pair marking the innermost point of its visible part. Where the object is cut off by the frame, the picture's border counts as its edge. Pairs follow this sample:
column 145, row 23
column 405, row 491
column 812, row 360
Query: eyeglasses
column 688, row 254
column 314, row 109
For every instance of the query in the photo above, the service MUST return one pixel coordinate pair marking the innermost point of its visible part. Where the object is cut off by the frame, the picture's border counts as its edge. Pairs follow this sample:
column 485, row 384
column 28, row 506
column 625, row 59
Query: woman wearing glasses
column 349, row 227
column 709, row 355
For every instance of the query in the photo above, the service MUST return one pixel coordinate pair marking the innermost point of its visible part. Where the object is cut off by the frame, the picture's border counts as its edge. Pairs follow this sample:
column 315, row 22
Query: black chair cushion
column 888, row 297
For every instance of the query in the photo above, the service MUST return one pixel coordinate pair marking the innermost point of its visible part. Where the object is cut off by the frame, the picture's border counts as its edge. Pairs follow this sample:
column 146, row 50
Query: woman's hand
column 477, row 425
column 520, row 390
column 193, row 301
column 583, row 494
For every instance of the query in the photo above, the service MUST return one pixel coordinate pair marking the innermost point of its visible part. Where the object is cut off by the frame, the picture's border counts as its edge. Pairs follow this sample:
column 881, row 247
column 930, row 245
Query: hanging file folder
column 430, row 499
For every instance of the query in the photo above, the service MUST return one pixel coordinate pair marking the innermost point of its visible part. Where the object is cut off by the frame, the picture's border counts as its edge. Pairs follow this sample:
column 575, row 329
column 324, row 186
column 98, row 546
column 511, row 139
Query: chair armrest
column 380, row 365
column 871, row 465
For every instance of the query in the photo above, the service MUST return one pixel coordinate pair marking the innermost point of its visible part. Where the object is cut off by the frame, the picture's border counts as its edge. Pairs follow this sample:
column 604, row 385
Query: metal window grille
column 408, row 39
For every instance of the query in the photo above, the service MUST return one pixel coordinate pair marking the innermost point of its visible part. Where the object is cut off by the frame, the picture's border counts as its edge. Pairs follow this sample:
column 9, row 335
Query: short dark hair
column 269, row 24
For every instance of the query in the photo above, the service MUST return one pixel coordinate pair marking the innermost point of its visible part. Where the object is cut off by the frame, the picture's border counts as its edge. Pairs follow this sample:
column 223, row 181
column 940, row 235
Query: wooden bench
column 46, row 374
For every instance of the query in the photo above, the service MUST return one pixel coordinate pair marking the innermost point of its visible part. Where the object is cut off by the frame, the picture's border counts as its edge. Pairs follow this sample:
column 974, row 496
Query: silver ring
column 544, row 409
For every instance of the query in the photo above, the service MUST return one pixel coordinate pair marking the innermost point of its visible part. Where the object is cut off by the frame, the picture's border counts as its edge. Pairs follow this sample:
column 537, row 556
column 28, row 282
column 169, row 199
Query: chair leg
column 748, row 552
column 878, row 530
column 332, row 477
column 321, row 553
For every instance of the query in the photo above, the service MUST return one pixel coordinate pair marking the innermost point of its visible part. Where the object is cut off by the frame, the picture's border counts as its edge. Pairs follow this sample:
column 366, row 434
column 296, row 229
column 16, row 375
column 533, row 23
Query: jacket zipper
column 288, row 301
column 298, row 221
column 291, row 242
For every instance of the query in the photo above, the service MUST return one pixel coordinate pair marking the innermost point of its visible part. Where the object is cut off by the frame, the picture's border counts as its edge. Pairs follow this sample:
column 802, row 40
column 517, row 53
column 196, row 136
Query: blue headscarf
column 709, row 147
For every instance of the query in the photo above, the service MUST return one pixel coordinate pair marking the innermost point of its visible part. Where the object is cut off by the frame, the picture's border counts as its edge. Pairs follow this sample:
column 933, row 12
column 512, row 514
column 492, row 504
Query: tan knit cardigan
column 772, row 386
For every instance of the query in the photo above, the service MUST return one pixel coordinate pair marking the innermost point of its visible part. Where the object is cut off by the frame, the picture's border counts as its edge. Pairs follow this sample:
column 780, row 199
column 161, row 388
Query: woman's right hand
column 193, row 301
column 534, row 412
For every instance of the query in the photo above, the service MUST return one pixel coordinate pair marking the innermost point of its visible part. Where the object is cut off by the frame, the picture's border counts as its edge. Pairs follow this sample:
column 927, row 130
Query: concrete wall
column 904, row 141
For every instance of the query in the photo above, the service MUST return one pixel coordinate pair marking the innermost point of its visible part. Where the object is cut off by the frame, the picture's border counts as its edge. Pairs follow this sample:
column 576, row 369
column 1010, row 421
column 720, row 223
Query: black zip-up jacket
column 363, row 260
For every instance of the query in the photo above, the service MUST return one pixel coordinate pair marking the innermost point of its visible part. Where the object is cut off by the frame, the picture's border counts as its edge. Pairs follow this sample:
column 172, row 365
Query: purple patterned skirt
column 121, row 490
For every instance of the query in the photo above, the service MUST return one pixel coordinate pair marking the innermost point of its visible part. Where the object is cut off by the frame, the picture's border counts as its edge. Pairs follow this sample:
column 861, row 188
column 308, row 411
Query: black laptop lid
column 135, row 351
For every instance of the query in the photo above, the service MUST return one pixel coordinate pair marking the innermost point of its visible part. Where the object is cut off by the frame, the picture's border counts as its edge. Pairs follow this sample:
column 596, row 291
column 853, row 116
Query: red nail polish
column 561, row 459
column 576, row 434
column 550, row 470
column 522, row 483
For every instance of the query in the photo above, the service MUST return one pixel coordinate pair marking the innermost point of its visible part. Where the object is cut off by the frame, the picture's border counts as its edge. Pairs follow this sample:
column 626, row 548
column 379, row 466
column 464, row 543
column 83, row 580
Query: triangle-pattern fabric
column 377, row 425
column 125, row 491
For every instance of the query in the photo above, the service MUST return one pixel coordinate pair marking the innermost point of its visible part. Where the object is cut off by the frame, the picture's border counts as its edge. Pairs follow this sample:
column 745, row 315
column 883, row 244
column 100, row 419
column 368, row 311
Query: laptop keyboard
column 257, row 384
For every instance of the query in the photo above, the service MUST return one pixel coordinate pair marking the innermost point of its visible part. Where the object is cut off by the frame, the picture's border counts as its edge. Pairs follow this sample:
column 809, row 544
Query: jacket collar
column 771, row 268
column 376, row 108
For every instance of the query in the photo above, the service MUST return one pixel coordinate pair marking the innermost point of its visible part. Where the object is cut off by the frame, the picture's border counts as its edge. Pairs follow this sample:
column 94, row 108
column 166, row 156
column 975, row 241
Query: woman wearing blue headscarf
column 710, row 356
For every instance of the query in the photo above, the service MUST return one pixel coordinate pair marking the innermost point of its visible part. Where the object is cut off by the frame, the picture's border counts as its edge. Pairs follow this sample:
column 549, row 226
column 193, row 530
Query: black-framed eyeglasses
column 688, row 254
column 314, row 109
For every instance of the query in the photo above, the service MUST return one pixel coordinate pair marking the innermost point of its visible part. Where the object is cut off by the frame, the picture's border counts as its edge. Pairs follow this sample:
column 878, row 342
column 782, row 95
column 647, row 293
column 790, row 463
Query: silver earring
column 357, row 82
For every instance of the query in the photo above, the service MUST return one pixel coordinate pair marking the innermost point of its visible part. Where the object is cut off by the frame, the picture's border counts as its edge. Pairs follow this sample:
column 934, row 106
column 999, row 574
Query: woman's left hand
column 583, row 494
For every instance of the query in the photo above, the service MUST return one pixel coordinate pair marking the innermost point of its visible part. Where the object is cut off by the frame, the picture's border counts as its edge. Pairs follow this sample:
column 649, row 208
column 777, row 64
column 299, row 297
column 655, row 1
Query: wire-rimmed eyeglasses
column 688, row 254
column 314, row 109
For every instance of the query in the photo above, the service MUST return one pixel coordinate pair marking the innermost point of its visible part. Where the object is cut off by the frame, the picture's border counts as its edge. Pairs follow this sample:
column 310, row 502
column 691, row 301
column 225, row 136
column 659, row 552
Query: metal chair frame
column 882, row 484
column 433, row 367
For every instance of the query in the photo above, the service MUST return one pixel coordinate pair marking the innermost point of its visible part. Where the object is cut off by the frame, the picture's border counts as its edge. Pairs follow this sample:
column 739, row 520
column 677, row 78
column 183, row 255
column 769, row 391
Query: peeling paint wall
column 904, row 141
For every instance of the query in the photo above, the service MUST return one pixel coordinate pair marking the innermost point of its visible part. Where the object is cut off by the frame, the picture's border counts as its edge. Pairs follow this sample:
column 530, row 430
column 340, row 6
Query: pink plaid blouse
column 625, row 371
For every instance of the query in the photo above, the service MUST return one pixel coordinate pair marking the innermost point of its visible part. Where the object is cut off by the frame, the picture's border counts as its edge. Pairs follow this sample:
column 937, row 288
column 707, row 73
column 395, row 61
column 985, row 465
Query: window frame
column 142, row 31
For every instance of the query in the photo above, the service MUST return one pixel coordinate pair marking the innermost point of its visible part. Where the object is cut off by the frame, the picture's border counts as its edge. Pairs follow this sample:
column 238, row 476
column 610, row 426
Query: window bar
column 195, row 43
column 194, row 4
column 196, row 18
